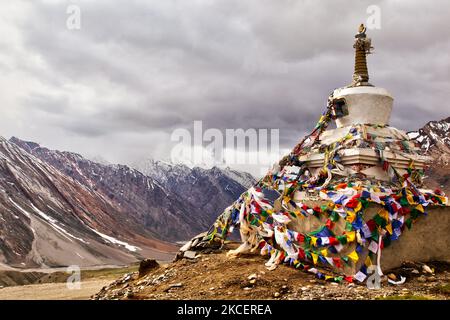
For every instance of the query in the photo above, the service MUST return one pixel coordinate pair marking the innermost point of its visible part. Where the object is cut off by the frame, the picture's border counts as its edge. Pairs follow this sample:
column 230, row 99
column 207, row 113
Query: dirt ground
column 53, row 291
column 214, row 276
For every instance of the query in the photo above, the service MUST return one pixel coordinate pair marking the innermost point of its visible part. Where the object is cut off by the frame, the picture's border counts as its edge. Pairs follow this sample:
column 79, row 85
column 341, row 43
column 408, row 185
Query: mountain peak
column 434, row 139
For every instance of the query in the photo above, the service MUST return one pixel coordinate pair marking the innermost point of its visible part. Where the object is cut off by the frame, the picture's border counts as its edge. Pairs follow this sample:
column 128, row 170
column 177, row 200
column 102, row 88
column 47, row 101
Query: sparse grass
column 445, row 289
column 105, row 273
column 406, row 297
column 108, row 272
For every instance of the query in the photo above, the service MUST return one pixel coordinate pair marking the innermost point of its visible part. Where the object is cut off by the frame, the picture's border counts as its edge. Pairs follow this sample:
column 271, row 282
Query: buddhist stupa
column 364, row 110
column 348, row 198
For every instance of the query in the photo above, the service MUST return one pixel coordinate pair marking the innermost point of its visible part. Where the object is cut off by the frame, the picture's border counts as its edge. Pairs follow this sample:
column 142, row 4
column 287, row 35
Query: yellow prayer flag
column 384, row 214
column 389, row 228
column 328, row 277
column 358, row 207
column 420, row 208
column 354, row 256
column 315, row 257
column 350, row 216
column 324, row 252
column 368, row 261
column 313, row 240
column 350, row 236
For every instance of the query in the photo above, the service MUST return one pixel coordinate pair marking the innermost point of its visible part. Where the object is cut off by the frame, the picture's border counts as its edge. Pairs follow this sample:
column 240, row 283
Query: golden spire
column 362, row 48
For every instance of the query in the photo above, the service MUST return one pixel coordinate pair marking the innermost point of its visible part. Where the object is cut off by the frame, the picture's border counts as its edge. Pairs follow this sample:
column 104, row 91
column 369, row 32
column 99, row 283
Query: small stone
column 189, row 254
column 392, row 276
column 276, row 294
column 427, row 269
column 334, row 284
column 422, row 279
column 415, row 271
column 229, row 293
column 212, row 289
column 173, row 285
column 247, row 288
column 186, row 246
column 176, row 285
column 262, row 272
column 252, row 276
column 253, row 281
column 313, row 281
column 127, row 277
column 304, row 288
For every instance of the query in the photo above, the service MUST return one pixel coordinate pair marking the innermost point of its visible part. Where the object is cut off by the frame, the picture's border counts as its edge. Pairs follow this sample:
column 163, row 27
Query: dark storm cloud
column 140, row 69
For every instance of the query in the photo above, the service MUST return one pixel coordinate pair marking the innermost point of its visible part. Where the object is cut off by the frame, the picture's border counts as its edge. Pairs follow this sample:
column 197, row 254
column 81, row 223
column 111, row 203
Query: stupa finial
column 362, row 47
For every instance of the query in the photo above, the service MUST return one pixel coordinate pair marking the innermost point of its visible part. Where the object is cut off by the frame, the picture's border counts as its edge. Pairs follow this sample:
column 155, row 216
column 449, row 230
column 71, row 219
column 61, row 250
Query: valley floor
column 53, row 291
column 51, row 284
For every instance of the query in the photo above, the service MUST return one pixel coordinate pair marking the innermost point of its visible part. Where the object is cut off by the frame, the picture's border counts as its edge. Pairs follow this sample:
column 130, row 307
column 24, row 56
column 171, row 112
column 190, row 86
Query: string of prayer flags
column 340, row 210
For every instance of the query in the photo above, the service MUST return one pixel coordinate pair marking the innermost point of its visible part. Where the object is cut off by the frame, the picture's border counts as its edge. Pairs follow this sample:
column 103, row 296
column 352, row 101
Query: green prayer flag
column 334, row 216
column 408, row 223
column 342, row 239
column 404, row 201
column 348, row 226
column 379, row 220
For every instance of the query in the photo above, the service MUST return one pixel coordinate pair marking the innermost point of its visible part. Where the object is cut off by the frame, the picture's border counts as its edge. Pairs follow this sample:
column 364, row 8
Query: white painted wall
column 365, row 105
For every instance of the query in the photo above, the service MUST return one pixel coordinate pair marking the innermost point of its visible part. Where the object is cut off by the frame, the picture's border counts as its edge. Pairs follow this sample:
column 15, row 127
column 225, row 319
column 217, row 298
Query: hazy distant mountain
column 63, row 193
column 209, row 191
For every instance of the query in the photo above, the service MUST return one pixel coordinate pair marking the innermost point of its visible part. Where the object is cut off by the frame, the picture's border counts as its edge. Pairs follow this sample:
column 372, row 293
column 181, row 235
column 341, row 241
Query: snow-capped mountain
column 168, row 173
column 434, row 139
column 208, row 190
column 97, row 213
column 50, row 219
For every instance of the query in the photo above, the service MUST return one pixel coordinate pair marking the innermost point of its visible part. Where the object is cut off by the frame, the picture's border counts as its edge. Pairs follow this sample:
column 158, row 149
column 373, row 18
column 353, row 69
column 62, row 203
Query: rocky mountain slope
column 58, row 208
column 434, row 140
column 172, row 202
column 50, row 219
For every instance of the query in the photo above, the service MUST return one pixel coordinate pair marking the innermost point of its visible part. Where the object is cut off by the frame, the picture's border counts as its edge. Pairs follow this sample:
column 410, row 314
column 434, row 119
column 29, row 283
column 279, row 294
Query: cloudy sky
column 137, row 70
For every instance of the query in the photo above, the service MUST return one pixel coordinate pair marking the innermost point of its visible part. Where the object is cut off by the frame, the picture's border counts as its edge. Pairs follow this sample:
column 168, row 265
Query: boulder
column 146, row 266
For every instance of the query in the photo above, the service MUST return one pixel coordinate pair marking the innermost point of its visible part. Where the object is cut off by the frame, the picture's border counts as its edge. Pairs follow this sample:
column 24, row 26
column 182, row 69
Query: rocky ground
column 214, row 276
